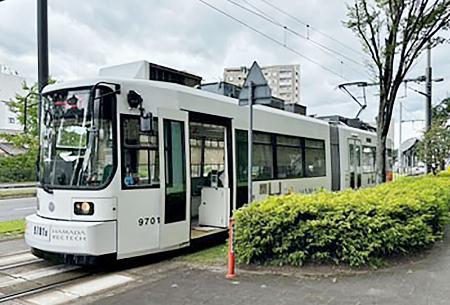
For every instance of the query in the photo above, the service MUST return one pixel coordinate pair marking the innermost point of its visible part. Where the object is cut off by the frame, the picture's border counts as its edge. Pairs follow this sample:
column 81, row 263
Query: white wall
column 9, row 85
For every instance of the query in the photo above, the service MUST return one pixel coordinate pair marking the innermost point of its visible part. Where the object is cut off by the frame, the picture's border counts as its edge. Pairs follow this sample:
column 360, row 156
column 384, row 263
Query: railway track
column 21, row 264
column 42, row 288
column 23, row 275
column 25, row 278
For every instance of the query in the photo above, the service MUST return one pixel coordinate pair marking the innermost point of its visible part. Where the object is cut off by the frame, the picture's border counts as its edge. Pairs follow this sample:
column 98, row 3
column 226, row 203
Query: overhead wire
column 309, row 26
column 272, row 39
column 275, row 22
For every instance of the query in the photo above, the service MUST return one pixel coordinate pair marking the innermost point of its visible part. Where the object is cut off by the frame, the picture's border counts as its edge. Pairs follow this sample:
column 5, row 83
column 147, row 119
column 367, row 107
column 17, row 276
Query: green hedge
column 350, row 227
column 21, row 168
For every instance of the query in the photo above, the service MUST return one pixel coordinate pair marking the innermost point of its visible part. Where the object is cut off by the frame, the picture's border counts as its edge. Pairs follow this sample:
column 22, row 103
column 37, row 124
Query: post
column 399, row 153
column 42, row 38
column 428, row 78
column 231, row 258
column 250, row 142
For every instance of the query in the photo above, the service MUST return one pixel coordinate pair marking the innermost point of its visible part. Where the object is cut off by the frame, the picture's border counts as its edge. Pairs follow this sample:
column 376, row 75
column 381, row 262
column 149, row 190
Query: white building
column 284, row 80
column 10, row 84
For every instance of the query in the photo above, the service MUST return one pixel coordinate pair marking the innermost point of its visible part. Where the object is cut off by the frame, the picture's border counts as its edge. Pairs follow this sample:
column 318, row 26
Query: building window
column 12, row 120
column 315, row 158
column 289, row 157
column 140, row 157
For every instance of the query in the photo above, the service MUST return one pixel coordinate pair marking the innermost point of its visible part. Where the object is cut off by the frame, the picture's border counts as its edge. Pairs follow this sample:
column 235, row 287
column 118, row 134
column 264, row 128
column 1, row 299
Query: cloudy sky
column 188, row 35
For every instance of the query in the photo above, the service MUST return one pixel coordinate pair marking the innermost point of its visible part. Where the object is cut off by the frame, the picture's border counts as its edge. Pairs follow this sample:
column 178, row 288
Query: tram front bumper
column 71, row 237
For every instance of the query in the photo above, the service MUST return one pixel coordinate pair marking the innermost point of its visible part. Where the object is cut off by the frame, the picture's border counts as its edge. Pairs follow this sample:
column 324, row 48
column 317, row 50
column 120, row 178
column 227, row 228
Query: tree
column 394, row 34
column 26, row 108
column 441, row 112
column 434, row 148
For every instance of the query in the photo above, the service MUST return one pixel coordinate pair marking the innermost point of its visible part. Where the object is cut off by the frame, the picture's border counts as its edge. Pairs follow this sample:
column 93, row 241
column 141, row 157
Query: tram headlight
column 84, row 208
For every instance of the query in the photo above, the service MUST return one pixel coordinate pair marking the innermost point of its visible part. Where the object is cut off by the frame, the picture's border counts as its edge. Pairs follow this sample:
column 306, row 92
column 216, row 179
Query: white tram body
column 108, row 190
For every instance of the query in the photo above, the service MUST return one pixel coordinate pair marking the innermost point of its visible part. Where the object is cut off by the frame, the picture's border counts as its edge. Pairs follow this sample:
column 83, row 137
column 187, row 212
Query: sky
column 188, row 35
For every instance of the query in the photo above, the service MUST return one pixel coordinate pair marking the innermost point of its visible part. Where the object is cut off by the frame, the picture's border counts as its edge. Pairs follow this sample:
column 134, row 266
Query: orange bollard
column 231, row 259
column 389, row 176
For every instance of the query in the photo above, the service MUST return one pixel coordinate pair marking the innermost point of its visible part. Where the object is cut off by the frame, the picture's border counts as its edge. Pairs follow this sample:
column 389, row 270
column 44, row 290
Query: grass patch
column 21, row 193
column 12, row 227
column 216, row 255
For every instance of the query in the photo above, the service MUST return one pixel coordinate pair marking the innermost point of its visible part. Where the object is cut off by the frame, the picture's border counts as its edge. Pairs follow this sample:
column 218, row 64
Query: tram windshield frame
column 78, row 138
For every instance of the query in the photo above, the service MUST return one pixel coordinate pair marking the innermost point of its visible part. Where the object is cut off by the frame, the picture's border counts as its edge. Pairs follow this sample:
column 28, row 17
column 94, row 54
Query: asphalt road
column 12, row 209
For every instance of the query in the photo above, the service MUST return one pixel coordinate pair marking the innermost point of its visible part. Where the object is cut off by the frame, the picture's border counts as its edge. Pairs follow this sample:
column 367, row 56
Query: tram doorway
column 210, row 183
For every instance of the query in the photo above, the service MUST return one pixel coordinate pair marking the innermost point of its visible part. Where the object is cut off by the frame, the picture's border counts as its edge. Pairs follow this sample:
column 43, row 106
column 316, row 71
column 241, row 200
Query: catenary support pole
column 42, row 40
column 428, row 95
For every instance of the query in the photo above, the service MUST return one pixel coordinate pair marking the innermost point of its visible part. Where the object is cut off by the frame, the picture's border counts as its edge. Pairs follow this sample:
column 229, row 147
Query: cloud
column 190, row 36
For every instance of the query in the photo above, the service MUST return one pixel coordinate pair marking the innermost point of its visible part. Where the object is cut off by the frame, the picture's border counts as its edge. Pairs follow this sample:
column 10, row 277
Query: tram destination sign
column 262, row 94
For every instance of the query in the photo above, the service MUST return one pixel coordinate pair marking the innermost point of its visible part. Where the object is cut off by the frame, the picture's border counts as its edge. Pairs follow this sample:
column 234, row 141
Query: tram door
column 175, row 185
column 354, row 148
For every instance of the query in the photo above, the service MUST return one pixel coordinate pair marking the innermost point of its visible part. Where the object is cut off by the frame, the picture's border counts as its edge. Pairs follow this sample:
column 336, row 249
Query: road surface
column 18, row 208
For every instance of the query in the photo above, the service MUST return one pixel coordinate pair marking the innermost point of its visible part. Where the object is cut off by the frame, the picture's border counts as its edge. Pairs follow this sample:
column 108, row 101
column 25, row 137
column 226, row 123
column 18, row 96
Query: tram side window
column 140, row 158
column 289, row 157
column 315, row 158
column 263, row 167
column 241, row 156
column 262, row 156
column 368, row 159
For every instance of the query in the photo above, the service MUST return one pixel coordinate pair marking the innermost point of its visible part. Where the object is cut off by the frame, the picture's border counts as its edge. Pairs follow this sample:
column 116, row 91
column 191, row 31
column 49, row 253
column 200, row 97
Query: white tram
column 132, row 167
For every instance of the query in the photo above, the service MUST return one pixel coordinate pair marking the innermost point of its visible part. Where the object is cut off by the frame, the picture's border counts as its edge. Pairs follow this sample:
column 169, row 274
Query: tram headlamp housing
column 83, row 208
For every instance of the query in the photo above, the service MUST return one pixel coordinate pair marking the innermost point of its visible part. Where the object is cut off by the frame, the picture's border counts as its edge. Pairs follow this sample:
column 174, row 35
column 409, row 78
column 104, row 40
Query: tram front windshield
column 76, row 138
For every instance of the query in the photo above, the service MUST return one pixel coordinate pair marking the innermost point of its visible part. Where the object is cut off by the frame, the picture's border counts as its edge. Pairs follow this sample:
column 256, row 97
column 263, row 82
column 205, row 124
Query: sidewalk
column 423, row 281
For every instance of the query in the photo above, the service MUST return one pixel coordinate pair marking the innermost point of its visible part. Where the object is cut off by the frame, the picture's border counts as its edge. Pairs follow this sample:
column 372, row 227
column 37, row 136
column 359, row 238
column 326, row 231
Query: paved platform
column 425, row 280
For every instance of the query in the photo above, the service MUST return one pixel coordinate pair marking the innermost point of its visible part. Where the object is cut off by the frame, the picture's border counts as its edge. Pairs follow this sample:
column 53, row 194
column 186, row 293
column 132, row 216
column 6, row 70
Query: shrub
column 350, row 227
column 21, row 168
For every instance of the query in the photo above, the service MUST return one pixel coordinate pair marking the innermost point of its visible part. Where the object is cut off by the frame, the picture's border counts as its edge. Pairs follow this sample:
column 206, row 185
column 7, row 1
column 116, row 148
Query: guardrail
column 5, row 186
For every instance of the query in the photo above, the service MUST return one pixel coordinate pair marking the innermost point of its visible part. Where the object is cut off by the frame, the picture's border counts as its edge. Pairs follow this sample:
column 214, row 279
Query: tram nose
column 65, row 206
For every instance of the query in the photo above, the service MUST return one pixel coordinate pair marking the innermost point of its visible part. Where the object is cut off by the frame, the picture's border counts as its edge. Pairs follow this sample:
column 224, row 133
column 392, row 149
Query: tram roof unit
column 350, row 122
column 230, row 107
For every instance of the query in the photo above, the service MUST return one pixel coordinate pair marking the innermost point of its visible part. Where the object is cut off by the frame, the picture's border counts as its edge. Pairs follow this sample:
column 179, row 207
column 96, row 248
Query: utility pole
column 42, row 39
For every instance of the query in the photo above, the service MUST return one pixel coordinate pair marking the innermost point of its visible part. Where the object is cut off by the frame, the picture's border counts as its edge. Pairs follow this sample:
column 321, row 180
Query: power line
column 271, row 38
column 308, row 26
column 257, row 9
column 272, row 20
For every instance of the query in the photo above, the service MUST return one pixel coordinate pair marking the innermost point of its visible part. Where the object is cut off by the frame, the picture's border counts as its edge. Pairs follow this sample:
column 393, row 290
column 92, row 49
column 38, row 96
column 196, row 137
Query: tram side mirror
column 145, row 124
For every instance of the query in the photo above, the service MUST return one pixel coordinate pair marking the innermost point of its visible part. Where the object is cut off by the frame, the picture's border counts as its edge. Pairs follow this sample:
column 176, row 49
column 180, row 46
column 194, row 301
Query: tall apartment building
column 10, row 84
column 284, row 80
